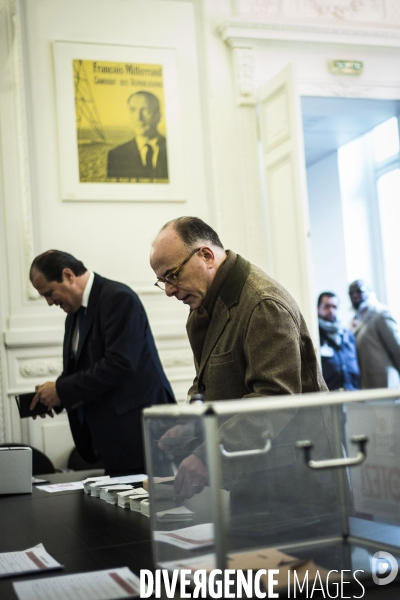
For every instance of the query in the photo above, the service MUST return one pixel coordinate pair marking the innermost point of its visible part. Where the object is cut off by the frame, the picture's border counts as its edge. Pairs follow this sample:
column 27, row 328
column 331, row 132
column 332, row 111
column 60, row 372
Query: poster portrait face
column 145, row 114
column 120, row 123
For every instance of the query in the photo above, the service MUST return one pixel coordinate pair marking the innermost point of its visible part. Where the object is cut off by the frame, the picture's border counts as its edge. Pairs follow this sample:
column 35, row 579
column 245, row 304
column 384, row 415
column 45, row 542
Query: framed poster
column 119, row 123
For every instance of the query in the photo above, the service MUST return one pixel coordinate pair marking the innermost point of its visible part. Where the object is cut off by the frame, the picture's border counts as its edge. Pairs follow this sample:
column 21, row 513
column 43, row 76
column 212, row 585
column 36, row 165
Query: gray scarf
column 333, row 330
column 199, row 319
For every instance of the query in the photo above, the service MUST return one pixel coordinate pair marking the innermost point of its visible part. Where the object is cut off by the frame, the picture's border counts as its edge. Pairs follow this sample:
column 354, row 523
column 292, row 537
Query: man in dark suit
column 111, row 368
column 146, row 155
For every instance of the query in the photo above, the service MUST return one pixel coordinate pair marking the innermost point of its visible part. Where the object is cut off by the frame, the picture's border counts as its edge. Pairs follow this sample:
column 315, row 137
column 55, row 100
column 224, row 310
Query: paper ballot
column 190, row 538
column 172, row 515
column 97, row 585
column 26, row 561
column 61, row 487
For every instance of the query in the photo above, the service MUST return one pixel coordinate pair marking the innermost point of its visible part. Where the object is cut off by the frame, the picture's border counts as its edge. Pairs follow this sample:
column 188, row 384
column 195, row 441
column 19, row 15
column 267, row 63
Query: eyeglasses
column 175, row 274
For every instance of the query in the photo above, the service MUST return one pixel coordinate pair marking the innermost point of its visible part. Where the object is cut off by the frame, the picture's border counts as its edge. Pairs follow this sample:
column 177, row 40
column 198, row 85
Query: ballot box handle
column 360, row 440
column 245, row 453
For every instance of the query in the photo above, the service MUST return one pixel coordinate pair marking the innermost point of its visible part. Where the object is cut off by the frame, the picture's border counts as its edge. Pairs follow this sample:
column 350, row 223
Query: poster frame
column 72, row 189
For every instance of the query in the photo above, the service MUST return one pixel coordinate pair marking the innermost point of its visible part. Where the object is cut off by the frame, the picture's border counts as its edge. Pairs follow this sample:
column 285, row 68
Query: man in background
column 337, row 346
column 145, row 156
column 111, row 368
column 377, row 339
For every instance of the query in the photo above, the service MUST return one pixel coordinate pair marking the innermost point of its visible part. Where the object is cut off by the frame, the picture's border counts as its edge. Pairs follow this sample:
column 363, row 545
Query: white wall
column 327, row 233
column 358, row 185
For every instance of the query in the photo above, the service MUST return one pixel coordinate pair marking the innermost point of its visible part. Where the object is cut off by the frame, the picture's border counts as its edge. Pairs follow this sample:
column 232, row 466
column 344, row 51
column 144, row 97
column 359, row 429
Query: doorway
column 353, row 179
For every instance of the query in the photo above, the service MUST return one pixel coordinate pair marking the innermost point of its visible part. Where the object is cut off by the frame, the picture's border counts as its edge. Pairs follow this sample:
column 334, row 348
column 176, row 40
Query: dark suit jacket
column 125, row 161
column 340, row 370
column 116, row 374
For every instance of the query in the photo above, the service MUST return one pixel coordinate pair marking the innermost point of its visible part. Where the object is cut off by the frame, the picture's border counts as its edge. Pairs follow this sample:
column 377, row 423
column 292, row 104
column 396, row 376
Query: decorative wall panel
column 385, row 12
column 40, row 368
column 360, row 10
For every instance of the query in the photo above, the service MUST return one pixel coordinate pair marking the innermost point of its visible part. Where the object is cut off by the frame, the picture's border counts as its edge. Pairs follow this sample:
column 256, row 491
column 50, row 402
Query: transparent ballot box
column 296, row 484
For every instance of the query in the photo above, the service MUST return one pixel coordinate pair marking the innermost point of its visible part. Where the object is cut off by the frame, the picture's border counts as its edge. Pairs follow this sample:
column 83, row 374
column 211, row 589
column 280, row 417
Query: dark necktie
column 81, row 319
column 149, row 157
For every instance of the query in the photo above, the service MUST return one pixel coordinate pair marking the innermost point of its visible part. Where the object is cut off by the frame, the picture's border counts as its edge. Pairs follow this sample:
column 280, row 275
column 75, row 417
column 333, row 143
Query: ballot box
column 277, row 494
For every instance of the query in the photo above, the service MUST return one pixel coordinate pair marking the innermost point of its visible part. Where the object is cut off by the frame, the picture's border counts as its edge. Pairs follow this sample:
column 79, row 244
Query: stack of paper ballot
column 136, row 499
column 123, row 498
column 96, row 487
column 86, row 482
column 172, row 515
column 109, row 493
column 145, row 507
column 93, row 485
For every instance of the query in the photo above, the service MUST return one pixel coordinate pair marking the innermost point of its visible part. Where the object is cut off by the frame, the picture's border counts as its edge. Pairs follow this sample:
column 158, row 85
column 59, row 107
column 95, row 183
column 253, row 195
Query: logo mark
column 382, row 563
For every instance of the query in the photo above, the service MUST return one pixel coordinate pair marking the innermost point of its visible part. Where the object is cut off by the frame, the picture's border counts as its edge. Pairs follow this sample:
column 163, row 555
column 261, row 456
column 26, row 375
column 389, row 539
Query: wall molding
column 237, row 29
column 40, row 367
column 330, row 10
column 33, row 338
column 20, row 61
column 348, row 89
column 243, row 59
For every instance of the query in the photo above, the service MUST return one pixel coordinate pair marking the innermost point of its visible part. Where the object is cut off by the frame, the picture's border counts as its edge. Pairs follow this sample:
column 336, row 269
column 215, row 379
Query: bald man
column 247, row 334
column 377, row 339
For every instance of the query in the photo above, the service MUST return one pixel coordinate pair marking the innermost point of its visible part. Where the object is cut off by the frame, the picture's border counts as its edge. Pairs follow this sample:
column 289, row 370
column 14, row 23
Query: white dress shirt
column 85, row 301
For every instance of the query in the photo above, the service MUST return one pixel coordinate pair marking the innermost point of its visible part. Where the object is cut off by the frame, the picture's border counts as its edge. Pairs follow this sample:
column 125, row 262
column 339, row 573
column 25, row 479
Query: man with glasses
column 247, row 334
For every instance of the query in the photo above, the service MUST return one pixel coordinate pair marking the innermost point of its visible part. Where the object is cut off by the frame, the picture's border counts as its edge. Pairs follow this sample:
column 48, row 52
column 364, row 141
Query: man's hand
column 178, row 440
column 171, row 442
column 47, row 395
column 191, row 477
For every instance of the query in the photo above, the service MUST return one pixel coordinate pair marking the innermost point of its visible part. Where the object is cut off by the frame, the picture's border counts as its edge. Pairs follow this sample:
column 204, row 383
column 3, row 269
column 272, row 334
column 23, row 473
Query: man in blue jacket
column 111, row 368
column 338, row 347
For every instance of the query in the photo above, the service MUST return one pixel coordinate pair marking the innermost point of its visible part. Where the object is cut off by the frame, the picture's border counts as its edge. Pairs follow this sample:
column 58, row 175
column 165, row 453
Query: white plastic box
column 15, row 470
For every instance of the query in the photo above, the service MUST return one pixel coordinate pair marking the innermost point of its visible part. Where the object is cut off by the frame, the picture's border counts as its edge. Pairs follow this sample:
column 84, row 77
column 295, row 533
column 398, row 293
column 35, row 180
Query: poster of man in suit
column 120, row 122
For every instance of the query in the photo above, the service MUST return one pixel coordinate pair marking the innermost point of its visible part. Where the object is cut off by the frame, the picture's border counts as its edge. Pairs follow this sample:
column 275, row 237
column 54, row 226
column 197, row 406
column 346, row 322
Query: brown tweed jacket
column 257, row 343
